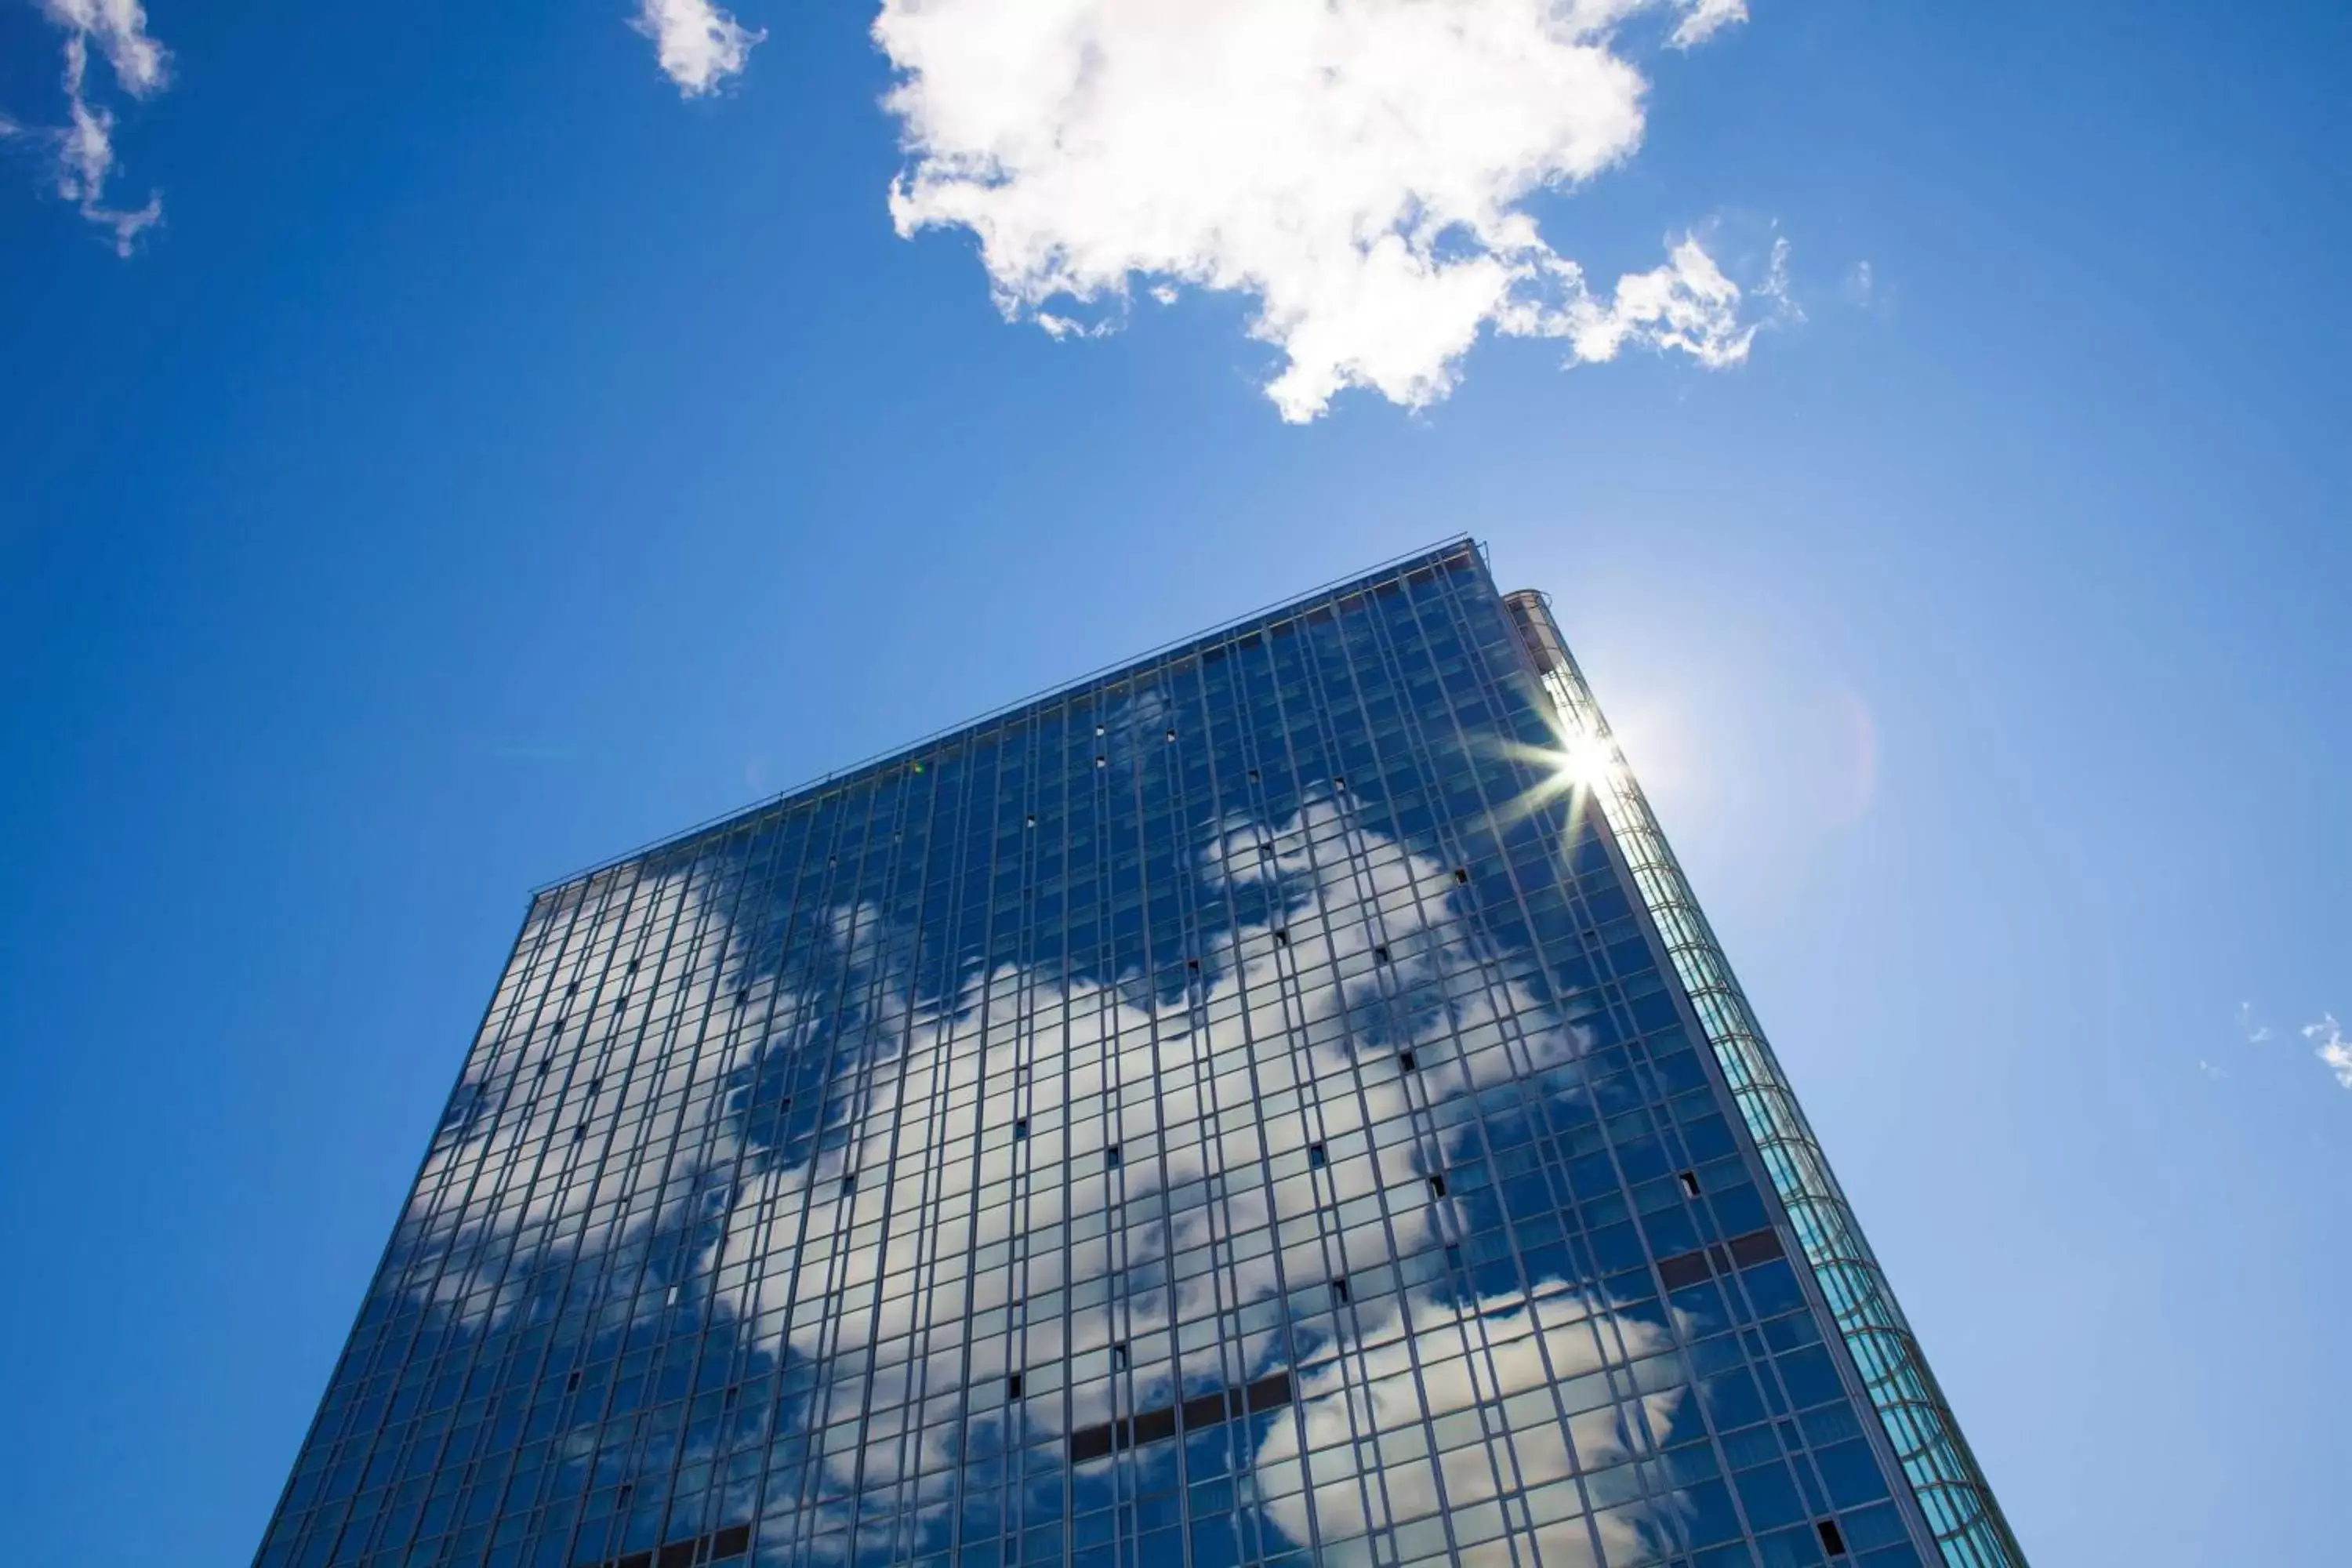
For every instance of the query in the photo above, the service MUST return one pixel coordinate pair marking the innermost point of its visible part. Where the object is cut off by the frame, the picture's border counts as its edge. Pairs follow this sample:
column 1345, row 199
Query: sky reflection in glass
column 1204, row 1117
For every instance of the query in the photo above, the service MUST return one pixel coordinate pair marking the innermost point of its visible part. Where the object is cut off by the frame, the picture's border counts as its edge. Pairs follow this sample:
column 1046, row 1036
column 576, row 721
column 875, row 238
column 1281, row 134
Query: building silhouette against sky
column 1276, row 1102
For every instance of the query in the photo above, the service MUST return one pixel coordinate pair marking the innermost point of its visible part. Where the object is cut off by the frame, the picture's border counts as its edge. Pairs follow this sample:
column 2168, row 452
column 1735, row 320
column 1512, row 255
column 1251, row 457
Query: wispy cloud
column 1860, row 283
column 1360, row 168
column 82, row 151
column 2328, row 1044
column 2327, row 1039
column 1702, row 19
column 699, row 46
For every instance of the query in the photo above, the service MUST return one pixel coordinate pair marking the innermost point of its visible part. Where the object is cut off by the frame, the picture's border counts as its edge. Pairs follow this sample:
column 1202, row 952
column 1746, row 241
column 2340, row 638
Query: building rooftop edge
column 1105, row 673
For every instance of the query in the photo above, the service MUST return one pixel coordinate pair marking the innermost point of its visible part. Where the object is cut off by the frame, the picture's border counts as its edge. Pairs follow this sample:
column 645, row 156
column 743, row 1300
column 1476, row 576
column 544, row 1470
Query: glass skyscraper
column 1272, row 1103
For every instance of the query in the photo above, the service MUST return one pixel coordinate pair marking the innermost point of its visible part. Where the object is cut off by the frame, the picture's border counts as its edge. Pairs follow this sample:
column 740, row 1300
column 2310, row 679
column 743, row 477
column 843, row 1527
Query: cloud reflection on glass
column 1149, row 1131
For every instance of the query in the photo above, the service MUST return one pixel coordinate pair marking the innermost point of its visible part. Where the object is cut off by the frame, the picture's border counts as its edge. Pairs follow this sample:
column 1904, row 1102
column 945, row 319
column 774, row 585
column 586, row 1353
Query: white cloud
column 2328, row 1044
column 1687, row 304
column 1702, row 19
column 1360, row 168
column 1860, row 283
column 2251, row 1025
column 120, row 29
column 83, row 148
column 699, row 46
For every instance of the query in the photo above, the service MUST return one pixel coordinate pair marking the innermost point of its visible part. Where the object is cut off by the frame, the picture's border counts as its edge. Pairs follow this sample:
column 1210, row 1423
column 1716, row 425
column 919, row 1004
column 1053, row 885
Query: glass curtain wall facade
column 1239, row 1109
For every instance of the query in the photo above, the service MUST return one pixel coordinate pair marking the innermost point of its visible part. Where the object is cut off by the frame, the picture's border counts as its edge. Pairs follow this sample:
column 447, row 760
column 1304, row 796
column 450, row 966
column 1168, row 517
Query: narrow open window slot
column 1013, row 1386
column 1833, row 1538
column 1316, row 1157
column 1437, row 1186
column 1405, row 1061
column 1110, row 1156
column 1690, row 1183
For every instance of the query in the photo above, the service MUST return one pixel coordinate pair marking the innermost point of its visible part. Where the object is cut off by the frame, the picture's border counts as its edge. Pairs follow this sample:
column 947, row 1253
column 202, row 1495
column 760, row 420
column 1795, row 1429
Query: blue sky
column 496, row 455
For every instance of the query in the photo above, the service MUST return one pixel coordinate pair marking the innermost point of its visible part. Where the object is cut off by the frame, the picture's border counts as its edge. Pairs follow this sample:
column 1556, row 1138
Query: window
column 1021, row 1127
column 1437, row 1186
column 1833, row 1538
column 1118, row 1354
column 1110, row 1156
column 1013, row 1386
column 1690, row 1182
column 1316, row 1157
column 1339, row 1290
column 1404, row 1060
column 1461, row 875
column 1381, row 954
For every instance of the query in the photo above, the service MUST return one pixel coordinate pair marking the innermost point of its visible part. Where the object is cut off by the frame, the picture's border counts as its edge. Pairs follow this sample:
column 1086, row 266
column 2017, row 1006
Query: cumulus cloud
column 82, row 150
column 2328, row 1044
column 698, row 45
column 1360, row 168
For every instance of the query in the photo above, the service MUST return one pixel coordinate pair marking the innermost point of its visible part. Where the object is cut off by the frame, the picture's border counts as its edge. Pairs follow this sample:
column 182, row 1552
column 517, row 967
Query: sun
column 1575, row 765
